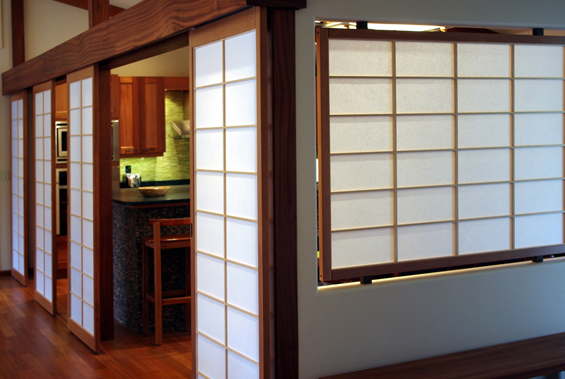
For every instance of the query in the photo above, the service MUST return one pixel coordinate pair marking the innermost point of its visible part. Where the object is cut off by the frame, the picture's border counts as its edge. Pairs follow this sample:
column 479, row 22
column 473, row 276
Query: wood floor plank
column 34, row 344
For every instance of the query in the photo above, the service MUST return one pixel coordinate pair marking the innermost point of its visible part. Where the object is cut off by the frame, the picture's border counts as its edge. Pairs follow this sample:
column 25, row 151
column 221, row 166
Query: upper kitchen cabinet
column 115, row 97
column 142, row 116
column 61, row 101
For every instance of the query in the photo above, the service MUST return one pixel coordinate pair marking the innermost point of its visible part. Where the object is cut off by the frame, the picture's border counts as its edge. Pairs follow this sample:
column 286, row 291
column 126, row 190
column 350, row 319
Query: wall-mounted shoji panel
column 437, row 148
column 19, row 208
column 226, row 212
column 45, row 243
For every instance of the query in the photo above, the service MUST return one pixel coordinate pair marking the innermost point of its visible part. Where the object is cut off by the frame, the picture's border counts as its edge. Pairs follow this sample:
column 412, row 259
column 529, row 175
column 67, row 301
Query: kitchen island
column 131, row 215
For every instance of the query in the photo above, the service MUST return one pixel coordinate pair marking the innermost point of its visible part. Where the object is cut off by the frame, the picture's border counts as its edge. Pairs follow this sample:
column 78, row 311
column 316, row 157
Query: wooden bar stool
column 159, row 242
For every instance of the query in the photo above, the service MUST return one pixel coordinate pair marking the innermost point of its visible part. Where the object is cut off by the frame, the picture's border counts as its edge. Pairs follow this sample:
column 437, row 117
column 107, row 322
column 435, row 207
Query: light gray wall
column 353, row 327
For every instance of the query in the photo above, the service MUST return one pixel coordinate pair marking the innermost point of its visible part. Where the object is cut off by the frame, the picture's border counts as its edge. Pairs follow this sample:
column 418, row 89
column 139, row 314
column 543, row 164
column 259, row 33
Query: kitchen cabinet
column 142, row 116
column 61, row 101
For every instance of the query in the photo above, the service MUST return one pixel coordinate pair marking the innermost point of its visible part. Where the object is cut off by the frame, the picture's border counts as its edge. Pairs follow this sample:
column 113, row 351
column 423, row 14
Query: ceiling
column 124, row 3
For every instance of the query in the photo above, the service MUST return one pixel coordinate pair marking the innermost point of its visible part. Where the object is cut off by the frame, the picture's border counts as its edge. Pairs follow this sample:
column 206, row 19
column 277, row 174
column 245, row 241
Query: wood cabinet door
column 115, row 97
column 129, row 116
column 152, row 115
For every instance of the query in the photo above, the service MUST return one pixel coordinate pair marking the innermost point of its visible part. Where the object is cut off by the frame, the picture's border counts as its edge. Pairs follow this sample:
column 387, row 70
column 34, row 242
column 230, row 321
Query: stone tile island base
column 130, row 226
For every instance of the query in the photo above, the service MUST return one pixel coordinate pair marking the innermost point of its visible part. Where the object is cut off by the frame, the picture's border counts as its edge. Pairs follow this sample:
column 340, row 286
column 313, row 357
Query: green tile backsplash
column 175, row 162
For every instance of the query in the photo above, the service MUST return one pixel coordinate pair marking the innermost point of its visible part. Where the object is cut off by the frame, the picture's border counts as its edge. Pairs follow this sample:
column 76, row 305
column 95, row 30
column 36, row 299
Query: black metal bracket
column 366, row 279
column 362, row 25
column 538, row 259
column 537, row 31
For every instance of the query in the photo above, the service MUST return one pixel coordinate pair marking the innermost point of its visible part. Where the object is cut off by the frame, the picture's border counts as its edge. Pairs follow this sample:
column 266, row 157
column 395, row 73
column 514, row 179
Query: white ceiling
column 124, row 3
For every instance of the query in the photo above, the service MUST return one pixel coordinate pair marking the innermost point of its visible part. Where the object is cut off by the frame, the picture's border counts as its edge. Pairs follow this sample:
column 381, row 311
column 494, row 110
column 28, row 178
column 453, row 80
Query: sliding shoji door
column 45, row 242
column 230, row 311
column 18, row 103
column 437, row 150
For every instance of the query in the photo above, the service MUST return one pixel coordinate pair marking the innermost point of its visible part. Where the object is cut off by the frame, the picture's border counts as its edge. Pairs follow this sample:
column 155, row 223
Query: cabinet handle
column 131, row 151
column 150, row 149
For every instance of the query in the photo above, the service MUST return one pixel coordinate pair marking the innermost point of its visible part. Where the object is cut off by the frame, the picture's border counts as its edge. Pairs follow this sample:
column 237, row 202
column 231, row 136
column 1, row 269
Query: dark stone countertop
column 132, row 196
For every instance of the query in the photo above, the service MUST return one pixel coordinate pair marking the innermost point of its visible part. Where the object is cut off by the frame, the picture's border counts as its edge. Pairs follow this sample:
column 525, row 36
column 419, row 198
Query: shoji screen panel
column 227, row 189
column 82, row 260
column 437, row 152
column 45, row 242
column 19, row 187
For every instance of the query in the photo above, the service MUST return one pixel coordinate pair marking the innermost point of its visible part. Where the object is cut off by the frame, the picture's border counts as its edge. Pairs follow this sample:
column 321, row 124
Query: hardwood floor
column 33, row 344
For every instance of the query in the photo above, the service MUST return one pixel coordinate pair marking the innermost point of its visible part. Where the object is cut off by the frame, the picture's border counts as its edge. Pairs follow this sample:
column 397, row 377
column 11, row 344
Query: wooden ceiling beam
column 98, row 12
column 18, row 40
column 83, row 4
column 136, row 28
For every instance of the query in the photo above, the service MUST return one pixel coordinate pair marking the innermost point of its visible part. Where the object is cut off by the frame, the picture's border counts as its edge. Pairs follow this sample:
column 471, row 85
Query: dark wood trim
column 98, row 12
column 103, row 225
column 83, row 4
column 443, row 37
column 18, row 40
column 141, row 25
column 193, row 335
column 283, row 92
column 443, row 262
column 5, row 273
column 265, row 178
column 517, row 360
column 323, row 137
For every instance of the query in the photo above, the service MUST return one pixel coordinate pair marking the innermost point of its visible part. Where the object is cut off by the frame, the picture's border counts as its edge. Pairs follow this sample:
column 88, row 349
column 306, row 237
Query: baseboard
column 5, row 273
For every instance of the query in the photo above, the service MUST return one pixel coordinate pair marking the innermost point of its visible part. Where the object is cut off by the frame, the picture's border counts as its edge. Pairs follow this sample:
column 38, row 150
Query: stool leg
column 158, row 289
column 187, row 290
column 145, row 289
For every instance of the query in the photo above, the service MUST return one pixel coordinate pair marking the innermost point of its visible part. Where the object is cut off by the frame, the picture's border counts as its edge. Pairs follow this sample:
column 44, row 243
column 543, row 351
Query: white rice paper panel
column 538, row 196
column 241, row 149
column 208, row 64
column 241, row 103
column 359, row 58
column 211, row 318
column 88, row 318
column 87, row 177
column 360, row 96
column 210, row 234
column 239, row 367
column 477, row 166
column 483, row 60
column 484, row 200
column 483, row 95
column 76, row 309
column 366, row 171
column 484, row 235
column 240, row 56
column 425, row 205
column 211, row 358
column 209, row 104
column 243, row 288
column 424, row 59
column 424, row 96
column 241, row 196
column 210, row 149
column 88, row 261
column 362, row 247
column 538, row 129
column 211, row 278
column 538, row 95
column 242, row 241
column 427, row 168
column 538, row 230
column 492, row 130
column 243, row 333
column 426, row 241
column 363, row 209
column 424, row 132
column 360, row 134
column 538, row 61
column 538, row 162
column 210, row 191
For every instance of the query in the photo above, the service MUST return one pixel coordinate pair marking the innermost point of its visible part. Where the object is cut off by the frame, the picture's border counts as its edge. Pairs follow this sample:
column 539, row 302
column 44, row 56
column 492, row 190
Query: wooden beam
column 283, row 68
column 18, row 41
column 83, row 4
column 144, row 24
column 98, row 12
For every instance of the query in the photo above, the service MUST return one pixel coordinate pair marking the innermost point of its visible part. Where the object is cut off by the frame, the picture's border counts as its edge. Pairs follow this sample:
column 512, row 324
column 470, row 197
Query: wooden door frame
column 124, row 38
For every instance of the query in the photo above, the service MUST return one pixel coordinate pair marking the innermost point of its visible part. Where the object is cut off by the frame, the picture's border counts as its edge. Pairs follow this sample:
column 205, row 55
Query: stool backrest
column 171, row 221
